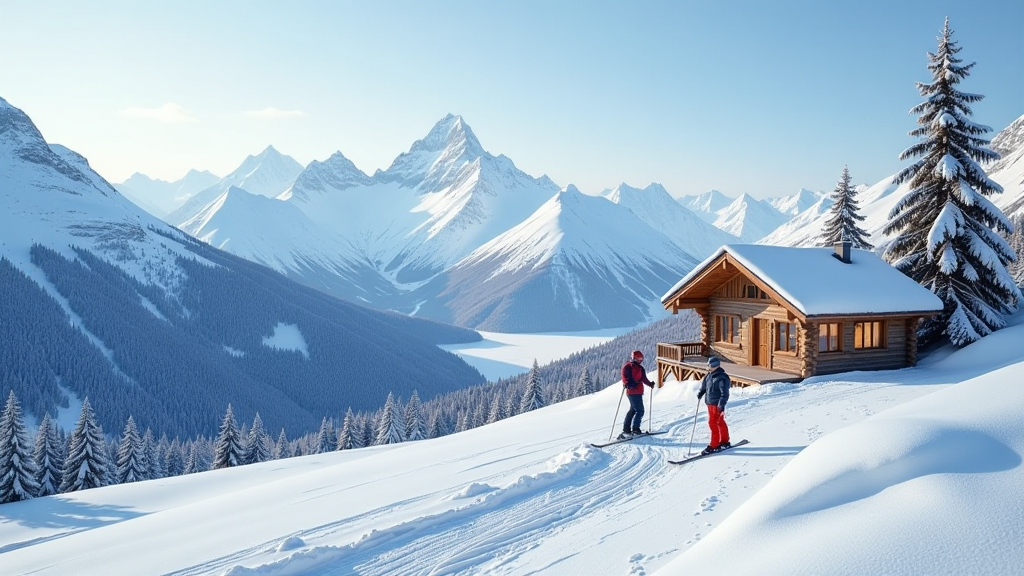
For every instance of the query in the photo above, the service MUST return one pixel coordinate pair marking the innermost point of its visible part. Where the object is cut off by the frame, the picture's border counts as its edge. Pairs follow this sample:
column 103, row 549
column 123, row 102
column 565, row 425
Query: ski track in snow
column 490, row 525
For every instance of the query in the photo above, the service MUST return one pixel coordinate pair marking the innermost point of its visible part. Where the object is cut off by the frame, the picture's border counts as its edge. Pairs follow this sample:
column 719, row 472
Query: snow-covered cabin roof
column 816, row 283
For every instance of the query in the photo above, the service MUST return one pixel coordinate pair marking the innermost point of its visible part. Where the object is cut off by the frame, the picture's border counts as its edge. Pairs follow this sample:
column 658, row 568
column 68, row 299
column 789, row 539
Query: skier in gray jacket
column 715, row 389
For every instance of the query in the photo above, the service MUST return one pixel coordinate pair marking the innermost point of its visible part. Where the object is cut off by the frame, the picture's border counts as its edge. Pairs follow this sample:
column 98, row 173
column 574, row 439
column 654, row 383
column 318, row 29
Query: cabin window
column 829, row 337
column 727, row 329
column 868, row 335
column 785, row 337
column 753, row 292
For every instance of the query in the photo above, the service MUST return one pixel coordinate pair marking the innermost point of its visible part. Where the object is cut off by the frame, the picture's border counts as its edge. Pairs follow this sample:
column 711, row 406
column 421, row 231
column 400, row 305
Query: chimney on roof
column 842, row 250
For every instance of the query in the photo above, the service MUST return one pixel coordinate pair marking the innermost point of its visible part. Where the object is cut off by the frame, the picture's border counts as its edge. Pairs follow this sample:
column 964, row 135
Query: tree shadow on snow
column 59, row 517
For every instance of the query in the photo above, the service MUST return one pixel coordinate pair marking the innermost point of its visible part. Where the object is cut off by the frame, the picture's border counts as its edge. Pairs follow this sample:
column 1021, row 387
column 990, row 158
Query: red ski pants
column 716, row 422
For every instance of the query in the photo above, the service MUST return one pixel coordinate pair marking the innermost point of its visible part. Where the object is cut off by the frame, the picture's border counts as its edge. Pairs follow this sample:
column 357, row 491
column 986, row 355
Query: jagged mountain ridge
column 268, row 173
column 660, row 211
column 103, row 300
column 159, row 197
column 749, row 219
column 552, row 271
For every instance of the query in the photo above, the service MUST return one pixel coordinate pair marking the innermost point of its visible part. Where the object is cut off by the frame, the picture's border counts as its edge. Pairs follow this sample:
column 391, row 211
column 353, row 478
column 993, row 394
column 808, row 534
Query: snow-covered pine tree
column 192, row 462
column 158, row 462
column 369, row 429
column 1016, row 268
column 844, row 216
column 436, row 428
column 347, row 437
column 228, row 450
column 85, row 465
column 497, row 411
column 130, row 458
column 17, row 467
column 111, row 446
column 325, row 439
column 48, row 456
column 945, row 229
column 257, row 446
column 151, row 459
column 533, row 398
column 282, row 448
column 415, row 429
column 462, row 423
column 479, row 412
column 390, row 429
column 512, row 401
column 174, row 459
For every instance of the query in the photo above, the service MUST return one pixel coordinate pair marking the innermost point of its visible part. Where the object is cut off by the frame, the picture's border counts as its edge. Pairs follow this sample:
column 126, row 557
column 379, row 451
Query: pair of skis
column 683, row 461
column 627, row 438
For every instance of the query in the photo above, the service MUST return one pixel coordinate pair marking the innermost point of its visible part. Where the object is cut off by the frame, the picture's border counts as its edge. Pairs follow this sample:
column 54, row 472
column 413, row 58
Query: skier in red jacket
column 633, row 379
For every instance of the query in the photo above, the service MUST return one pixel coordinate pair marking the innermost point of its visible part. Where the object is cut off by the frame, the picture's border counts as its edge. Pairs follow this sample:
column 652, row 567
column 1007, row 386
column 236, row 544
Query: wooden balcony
column 689, row 361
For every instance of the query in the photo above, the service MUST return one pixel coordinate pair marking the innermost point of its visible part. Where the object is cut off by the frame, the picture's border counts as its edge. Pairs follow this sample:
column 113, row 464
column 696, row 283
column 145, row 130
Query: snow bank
column 897, row 493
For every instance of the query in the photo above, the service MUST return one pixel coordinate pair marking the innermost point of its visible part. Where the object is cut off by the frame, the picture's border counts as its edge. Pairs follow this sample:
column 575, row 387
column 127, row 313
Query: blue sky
column 743, row 96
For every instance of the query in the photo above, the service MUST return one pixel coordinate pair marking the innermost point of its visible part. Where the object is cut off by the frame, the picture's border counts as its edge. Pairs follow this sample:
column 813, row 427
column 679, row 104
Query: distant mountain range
column 877, row 200
column 100, row 299
column 436, row 233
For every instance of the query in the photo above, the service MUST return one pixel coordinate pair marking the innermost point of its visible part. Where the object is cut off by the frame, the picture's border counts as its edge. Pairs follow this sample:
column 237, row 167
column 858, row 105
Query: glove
column 700, row 395
column 721, row 410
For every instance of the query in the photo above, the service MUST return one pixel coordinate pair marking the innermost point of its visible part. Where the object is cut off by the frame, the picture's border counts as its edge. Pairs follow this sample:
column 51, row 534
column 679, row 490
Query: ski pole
column 617, row 413
column 650, row 413
column 689, row 448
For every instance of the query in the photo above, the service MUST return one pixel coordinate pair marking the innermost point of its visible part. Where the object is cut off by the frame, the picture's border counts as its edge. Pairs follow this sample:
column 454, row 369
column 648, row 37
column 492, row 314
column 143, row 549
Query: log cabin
column 778, row 313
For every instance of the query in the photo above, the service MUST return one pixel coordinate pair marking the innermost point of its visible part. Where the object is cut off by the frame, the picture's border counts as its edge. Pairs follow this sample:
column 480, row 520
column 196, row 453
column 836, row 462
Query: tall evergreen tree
column 497, row 411
column 1016, row 269
column 152, row 461
column 48, row 456
column 347, row 438
column 85, row 465
column 17, row 468
column 228, row 450
column 390, row 429
column 512, row 401
column 174, row 459
column 257, row 446
column 193, row 463
column 130, row 458
column 415, row 429
column 436, row 429
column 325, row 439
column 369, row 430
column 844, row 215
column 282, row 448
column 464, row 421
column 533, row 398
column 944, row 226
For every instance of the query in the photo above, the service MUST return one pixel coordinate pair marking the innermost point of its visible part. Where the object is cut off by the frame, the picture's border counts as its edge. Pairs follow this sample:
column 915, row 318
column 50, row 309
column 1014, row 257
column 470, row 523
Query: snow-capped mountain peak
column 450, row 133
column 435, row 160
column 795, row 203
column 707, row 204
column 335, row 173
column 749, row 218
column 19, row 138
column 269, row 173
column 656, row 207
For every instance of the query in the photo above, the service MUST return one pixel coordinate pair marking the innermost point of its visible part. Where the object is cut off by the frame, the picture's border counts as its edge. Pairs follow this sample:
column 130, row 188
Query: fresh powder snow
column 912, row 471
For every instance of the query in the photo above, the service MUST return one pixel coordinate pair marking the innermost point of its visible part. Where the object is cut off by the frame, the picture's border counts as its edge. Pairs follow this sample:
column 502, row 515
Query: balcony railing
column 678, row 351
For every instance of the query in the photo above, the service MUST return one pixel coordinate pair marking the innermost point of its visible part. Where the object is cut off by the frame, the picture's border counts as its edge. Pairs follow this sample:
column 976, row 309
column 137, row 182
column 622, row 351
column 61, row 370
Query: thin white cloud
column 272, row 113
column 169, row 113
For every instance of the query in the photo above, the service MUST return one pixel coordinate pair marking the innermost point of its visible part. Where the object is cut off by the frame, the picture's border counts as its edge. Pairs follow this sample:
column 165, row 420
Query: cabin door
column 760, row 342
